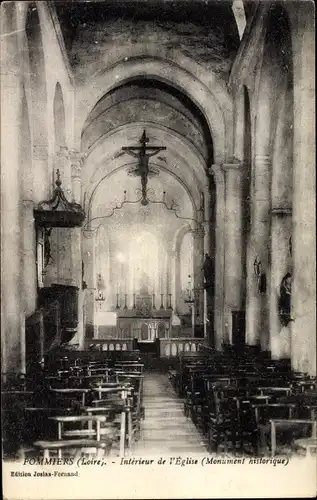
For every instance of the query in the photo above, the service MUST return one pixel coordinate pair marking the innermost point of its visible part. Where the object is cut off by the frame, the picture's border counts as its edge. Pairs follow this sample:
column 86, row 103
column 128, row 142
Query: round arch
column 172, row 74
column 124, row 166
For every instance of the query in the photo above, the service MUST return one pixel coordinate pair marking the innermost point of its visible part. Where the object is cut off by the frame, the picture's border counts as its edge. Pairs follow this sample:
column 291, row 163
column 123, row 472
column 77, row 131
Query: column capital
column 76, row 157
column 198, row 233
column 234, row 166
column 40, row 152
column 63, row 152
column 262, row 159
column 218, row 173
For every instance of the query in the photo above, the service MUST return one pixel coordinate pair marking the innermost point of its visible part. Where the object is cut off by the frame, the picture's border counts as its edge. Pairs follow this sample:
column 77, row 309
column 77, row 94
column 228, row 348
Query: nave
column 158, row 289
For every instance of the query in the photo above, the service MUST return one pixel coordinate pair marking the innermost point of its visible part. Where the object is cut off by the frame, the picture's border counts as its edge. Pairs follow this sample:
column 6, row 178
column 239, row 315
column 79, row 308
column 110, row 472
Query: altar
column 143, row 321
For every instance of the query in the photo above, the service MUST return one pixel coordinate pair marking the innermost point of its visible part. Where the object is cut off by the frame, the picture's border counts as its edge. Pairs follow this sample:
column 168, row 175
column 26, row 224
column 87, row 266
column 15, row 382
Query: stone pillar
column 12, row 345
column 257, row 313
column 198, row 261
column 206, row 224
column 233, row 279
column 218, row 174
column 175, row 291
column 29, row 258
column 169, row 274
column 76, row 240
column 62, row 162
column 89, row 238
column 281, row 227
column 303, row 328
column 41, row 180
column 76, row 159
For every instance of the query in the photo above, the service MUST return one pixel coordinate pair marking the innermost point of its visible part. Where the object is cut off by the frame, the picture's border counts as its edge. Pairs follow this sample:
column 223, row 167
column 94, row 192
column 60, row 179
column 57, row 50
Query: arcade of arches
column 228, row 103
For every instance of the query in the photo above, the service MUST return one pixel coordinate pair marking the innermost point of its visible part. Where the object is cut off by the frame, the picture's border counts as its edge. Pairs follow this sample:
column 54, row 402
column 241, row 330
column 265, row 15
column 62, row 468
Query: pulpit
column 67, row 298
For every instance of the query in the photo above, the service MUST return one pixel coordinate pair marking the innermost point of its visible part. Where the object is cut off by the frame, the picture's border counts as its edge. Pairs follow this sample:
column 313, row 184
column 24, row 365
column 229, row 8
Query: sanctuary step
column 165, row 429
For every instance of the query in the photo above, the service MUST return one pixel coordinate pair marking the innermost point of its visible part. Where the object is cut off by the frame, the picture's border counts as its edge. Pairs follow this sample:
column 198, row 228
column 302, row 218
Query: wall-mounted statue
column 284, row 305
column 208, row 269
column 260, row 274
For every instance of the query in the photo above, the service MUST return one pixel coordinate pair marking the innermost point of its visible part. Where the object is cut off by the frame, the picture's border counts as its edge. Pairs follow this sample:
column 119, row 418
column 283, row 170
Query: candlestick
column 162, row 296
column 125, row 301
column 117, row 306
column 153, row 297
column 134, row 305
column 170, row 301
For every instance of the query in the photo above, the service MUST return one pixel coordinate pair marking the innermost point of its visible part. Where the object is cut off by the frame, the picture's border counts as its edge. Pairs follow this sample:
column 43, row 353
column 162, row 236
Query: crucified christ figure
column 143, row 153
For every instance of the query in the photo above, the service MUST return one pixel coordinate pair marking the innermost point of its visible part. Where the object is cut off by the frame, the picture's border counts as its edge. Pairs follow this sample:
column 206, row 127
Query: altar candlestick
column 125, row 301
column 153, row 297
column 170, row 301
column 162, row 296
column 117, row 306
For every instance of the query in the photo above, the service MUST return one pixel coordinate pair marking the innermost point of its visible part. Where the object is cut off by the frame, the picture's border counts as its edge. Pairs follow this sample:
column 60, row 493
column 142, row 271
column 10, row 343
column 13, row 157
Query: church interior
column 158, row 228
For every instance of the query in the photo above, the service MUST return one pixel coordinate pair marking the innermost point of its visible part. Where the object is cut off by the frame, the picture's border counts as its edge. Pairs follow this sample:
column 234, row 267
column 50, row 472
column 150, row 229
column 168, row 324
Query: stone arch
column 174, row 75
column 106, row 177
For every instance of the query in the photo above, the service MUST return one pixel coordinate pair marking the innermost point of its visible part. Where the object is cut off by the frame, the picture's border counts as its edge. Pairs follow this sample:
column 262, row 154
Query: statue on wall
column 284, row 305
column 260, row 274
column 208, row 269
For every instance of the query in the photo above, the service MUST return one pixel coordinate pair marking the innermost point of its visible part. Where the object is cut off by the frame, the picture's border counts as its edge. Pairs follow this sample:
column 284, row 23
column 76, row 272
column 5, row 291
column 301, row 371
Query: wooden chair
column 263, row 415
column 123, row 394
column 308, row 444
column 297, row 431
column 68, row 446
column 223, row 423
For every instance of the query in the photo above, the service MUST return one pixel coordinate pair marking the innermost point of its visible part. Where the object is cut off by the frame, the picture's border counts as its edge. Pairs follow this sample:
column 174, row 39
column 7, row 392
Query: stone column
column 76, row 240
column 175, row 291
column 218, row 174
column 12, row 345
column 206, row 223
column 89, row 238
column 169, row 274
column 281, row 227
column 42, row 185
column 76, row 159
column 233, row 279
column 257, row 313
column 198, row 241
column 303, row 328
column 29, row 258
column 62, row 162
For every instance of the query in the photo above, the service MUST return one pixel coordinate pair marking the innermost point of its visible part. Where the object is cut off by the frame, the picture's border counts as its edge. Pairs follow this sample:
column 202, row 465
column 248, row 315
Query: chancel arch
column 154, row 68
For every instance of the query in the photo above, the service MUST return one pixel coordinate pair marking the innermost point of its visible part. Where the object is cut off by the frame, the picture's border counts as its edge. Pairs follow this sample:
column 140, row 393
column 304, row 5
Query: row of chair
column 246, row 404
column 74, row 404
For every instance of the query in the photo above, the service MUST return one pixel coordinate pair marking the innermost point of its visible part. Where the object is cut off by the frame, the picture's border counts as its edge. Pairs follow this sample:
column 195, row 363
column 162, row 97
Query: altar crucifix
column 143, row 153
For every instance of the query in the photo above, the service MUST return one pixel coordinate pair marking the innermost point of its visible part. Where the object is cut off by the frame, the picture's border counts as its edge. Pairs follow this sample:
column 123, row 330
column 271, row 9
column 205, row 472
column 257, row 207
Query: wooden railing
column 173, row 346
column 109, row 344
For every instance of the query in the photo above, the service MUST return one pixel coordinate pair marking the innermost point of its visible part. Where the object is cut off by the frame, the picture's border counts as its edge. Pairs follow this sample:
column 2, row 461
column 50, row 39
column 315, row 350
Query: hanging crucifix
column 143, row 153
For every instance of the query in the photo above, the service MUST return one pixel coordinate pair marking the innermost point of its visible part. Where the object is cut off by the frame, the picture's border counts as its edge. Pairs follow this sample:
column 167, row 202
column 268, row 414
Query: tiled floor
column 165, row 429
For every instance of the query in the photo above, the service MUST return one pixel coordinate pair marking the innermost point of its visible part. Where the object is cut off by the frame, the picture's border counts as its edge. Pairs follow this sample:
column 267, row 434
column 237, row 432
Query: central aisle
column 165, row 429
